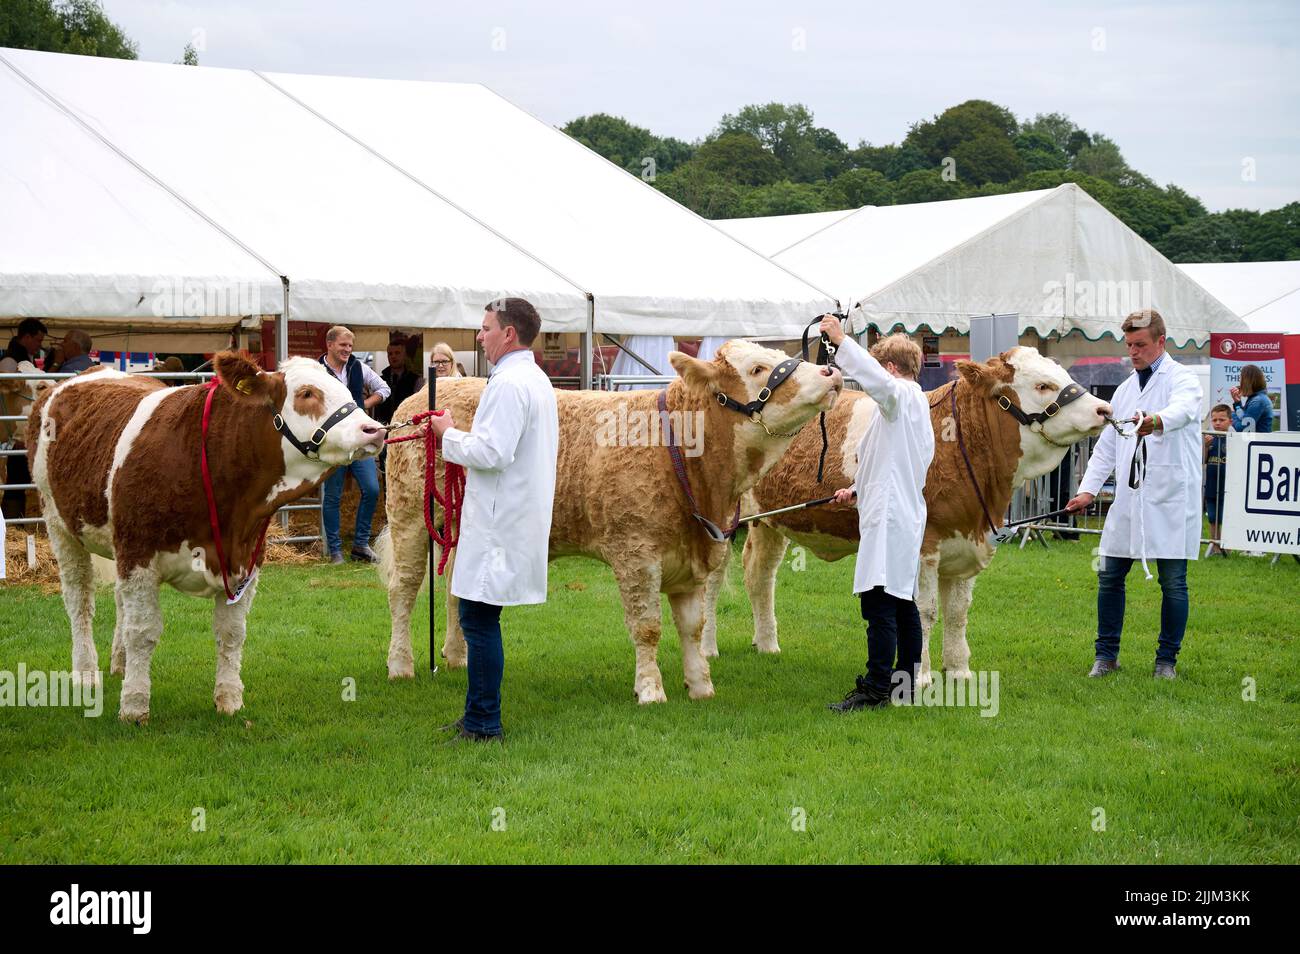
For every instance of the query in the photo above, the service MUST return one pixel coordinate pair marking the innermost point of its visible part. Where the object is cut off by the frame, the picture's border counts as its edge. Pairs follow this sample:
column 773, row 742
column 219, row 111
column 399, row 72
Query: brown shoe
column 1103, row 667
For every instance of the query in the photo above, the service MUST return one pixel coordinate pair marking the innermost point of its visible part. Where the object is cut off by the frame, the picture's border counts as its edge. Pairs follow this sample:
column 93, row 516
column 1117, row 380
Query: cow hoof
column 770, row 648
column 404, row 670
column 924, row 679
column 228, row 701
column 958, row 673
column 709, row 652
column 117, row 668
column 137, row 716
column 88, row 678
column 651, row 694
column 703, row 692
column 457, row 661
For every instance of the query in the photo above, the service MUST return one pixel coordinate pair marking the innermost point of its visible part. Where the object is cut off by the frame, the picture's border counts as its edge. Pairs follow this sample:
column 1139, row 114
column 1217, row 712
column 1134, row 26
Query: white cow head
column 305, row 395
column 1037, row 380
column 741, row 370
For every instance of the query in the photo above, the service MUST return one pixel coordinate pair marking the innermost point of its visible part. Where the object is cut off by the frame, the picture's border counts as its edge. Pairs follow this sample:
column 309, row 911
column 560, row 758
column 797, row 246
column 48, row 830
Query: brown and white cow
column 1003, row 454
column 617, row 499
column 116, row 461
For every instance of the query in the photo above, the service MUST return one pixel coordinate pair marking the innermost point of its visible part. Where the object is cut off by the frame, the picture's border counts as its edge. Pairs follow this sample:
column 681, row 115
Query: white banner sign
column 1262, row 498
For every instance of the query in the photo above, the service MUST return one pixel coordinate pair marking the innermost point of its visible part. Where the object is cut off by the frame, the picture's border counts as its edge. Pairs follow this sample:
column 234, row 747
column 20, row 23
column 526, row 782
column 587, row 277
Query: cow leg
column 142, row 627
column 77, row 580
column 688, row 616
column 408, row 542
column 117, row 663
column 229, row 626
column 639, row 587
column 927, row 602
column 956, row 594
column 712, row 587
column 764, row 551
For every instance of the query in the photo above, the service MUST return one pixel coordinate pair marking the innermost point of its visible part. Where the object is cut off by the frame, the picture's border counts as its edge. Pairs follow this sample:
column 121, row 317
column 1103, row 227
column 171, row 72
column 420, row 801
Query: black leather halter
column 774, row 381
column 1067, row 395
column 311, row 449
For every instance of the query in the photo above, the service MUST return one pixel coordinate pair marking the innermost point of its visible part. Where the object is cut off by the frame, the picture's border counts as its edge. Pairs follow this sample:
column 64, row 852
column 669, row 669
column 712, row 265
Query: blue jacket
column 1257, row 415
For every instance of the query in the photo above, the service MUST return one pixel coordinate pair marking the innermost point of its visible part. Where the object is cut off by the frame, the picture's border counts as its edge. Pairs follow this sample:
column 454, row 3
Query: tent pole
column 282, row 327
column 588, row 342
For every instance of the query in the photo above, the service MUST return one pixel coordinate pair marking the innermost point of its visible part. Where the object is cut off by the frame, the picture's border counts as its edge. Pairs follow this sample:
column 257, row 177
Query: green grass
column 1185, row 771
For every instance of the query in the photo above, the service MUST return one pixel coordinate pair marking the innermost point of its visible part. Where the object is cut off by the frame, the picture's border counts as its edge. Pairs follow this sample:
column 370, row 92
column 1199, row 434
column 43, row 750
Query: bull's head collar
column 1067, row 395
column 311, row 448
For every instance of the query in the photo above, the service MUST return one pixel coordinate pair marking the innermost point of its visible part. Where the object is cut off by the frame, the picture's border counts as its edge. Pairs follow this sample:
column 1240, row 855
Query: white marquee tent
column 377, row 202
column 1056, row 257
column 1265, row 295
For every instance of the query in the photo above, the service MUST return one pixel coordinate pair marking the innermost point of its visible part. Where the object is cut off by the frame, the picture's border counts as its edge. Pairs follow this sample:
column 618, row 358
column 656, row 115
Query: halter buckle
column 1004, row 402
column 764, row 394
column 722, row 399
column 1052, row 409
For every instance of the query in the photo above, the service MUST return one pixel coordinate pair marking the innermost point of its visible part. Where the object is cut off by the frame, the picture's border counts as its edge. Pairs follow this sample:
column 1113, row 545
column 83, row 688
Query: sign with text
column 1291, row 348
column 1262, row 498
column 1229, row 353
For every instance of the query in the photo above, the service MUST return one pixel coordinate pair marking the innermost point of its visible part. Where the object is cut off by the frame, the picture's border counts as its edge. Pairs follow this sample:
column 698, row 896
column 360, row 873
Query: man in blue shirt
column 368, row 390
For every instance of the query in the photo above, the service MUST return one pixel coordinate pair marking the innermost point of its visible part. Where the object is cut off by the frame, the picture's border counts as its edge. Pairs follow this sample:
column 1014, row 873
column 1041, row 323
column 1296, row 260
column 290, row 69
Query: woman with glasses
column 444, row 362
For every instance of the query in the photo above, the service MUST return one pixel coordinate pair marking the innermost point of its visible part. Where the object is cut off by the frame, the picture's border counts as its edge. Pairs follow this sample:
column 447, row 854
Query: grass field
column 1185, row 771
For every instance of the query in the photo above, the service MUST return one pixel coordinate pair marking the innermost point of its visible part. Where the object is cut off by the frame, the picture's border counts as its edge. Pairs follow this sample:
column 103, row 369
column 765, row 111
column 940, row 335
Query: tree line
column 774, row 159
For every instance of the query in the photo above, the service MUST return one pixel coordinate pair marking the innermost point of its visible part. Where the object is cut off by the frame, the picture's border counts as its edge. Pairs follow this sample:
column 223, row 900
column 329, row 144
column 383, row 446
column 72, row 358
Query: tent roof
column 404, row 203
column 653, row 266
column 1056, row 257
column 1265, row 295
column 770, row 234
column 89, row 236
column 357, row 240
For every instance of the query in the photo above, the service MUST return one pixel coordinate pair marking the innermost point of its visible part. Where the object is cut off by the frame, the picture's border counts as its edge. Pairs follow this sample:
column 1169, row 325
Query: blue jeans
column 363, row 471
column 1110, row 606
column 481, row 624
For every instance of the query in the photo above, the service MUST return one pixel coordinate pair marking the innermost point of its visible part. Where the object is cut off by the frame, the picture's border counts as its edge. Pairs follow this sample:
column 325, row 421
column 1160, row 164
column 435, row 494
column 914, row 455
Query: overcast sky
column 1196, row 94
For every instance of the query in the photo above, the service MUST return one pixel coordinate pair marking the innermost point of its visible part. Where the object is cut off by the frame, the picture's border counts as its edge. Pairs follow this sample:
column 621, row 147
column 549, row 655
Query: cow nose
column 370, row 430
column 1103, row 410
column 837, row 379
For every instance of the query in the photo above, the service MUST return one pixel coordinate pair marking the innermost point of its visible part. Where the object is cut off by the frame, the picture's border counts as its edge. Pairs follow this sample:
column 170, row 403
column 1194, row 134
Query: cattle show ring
column 193, row 670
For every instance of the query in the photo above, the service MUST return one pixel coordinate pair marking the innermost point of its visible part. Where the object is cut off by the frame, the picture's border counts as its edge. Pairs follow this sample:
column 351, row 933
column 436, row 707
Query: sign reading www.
column 1262, row 495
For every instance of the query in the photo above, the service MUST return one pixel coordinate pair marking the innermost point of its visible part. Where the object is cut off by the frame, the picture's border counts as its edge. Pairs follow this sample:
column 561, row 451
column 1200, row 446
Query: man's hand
column 1082, row 501
column 832, row 329
column 441, row 422
column 1206, row 439
column 1147, row 426
column 845, row 495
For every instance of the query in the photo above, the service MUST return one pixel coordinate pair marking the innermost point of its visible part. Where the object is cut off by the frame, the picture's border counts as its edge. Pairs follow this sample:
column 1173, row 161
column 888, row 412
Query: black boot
column 862, row 696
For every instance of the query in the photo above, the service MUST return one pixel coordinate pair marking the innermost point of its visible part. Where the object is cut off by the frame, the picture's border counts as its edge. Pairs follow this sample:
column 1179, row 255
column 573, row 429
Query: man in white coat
column 893, row 459
column 1157, row 509
column 509, row 456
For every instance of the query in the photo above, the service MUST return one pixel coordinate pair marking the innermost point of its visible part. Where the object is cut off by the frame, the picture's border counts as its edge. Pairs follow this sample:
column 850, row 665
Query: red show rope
column 452, row 499
column 212, row 502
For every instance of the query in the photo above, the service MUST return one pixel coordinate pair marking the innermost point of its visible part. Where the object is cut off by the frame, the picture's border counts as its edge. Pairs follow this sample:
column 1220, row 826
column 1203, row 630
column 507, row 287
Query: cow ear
column 976, row 375
column 696, row 373
column 243, row 379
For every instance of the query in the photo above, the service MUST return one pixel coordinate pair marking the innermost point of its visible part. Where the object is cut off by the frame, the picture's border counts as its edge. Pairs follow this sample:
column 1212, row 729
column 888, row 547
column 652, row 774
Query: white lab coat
column 509, row 455
column 1162, row 519
column 893, row 459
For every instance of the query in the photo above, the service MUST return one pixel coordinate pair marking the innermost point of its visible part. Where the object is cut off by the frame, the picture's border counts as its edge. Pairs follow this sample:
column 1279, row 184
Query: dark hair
column 519, row 314
column 1252, row 380
column 1222, row 407
column 31, row 326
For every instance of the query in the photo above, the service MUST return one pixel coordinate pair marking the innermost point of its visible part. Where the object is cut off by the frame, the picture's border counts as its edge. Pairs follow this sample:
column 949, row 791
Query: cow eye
column 1044, row 387
column 758, row 369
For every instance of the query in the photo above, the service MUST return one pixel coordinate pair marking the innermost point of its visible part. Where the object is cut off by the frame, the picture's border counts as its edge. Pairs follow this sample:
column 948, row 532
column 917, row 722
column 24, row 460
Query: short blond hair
column 333, row 333
column 1148, row 318
column 902, row 351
